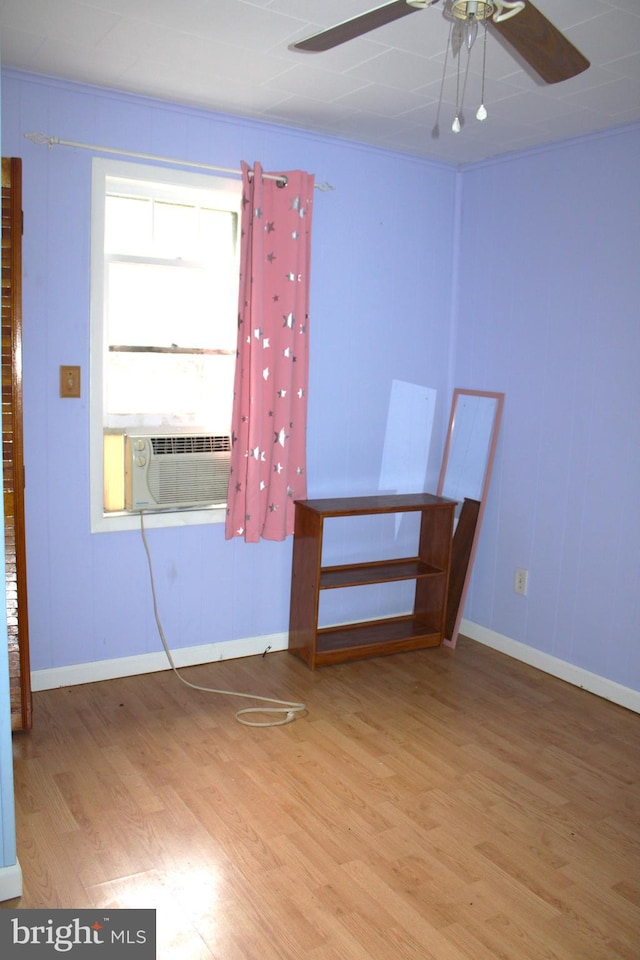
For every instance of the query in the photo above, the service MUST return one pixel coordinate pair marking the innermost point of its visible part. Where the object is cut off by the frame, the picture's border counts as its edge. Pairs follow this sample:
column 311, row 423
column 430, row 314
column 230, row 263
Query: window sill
column 113, row 522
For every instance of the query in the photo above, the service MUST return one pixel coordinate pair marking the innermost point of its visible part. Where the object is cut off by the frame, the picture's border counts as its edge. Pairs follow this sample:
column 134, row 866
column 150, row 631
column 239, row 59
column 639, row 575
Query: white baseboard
column 231, row 649
column 10, row 882
column 77, row 673
column 608, row 689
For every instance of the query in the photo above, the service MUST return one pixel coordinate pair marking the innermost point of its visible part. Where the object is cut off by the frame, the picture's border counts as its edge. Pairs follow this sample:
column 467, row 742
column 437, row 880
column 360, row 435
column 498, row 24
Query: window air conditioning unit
column 173, row 471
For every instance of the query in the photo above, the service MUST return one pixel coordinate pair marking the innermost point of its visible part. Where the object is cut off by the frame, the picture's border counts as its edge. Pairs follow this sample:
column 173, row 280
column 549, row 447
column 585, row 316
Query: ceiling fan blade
column 542, row 45
column 356, row 27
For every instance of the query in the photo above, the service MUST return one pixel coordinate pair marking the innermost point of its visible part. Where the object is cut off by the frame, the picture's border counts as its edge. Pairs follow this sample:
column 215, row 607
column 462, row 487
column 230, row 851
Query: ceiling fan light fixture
column 472, row 9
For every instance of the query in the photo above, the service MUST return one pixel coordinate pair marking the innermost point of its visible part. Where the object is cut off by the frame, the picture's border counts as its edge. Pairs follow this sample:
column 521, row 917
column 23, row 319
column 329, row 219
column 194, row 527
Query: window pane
column 165, row 389
column 217, row 237
column 161, row 306
column 175, row 230
column 128, row 226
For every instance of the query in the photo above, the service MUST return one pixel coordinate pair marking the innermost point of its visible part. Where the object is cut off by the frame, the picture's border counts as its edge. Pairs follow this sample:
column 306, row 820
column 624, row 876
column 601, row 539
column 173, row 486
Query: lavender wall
column 382, row 266
column 540, row 267
column 547, row 311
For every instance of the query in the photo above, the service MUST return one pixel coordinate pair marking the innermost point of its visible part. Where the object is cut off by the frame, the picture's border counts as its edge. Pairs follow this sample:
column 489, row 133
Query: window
column 164, row 318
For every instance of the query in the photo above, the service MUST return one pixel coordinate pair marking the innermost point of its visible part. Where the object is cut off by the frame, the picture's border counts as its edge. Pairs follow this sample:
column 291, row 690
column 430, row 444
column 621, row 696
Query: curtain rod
column 55, row 141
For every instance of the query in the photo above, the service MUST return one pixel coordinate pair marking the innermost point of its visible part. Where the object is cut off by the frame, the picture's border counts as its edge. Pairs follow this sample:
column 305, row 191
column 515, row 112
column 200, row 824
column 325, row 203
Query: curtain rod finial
column 39, row 137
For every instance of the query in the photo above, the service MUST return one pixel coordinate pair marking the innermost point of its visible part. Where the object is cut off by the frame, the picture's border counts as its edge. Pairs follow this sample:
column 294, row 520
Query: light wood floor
column 440, row 805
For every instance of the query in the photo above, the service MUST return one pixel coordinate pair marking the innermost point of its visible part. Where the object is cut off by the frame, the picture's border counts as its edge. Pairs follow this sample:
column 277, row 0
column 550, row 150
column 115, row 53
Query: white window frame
column 229, row 193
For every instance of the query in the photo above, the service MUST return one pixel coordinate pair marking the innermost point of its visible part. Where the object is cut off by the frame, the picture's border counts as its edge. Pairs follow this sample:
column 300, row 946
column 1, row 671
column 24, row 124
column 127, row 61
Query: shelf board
column 378, row 571
column 381, row 503
column 373, row 638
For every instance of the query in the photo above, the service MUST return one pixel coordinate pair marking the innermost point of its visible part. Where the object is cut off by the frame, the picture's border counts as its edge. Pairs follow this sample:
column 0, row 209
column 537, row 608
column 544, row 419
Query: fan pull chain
column 455, row 126
column 481, row 113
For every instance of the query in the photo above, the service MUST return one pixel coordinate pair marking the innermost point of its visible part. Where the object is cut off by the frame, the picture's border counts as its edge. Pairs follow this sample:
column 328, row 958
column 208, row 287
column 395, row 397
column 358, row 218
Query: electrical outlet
column 521, row 581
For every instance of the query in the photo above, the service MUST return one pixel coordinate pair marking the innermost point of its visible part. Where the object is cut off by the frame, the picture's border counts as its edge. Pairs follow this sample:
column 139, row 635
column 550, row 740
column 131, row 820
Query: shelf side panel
column 436, row 535
column 305, row 584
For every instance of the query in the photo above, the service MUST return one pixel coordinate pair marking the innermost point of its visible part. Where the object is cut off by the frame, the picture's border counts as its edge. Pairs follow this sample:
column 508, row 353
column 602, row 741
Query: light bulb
column 470, row 33
column 481, row 113
column 455, row 126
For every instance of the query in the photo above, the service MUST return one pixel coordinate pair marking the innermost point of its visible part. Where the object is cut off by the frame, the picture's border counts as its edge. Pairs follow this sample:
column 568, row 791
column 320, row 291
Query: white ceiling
column 386, row 89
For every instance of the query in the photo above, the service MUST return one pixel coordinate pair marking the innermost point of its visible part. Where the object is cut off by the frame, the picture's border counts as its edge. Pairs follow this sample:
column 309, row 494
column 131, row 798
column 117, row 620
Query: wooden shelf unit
column 424, row 627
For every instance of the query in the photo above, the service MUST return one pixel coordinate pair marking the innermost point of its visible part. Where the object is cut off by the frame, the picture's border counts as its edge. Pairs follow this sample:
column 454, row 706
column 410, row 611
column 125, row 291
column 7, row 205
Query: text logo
column 82, row 934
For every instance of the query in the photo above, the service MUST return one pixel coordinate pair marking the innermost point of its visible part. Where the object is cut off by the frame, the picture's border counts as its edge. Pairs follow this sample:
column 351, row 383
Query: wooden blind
column 12, row 445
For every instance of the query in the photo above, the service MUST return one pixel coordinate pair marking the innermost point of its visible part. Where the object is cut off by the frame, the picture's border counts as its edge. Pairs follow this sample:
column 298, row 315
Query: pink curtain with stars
column 269, row 423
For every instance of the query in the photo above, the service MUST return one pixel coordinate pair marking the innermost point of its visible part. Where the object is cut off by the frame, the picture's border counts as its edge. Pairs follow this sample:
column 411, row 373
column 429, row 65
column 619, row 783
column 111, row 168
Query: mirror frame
column 493, row 441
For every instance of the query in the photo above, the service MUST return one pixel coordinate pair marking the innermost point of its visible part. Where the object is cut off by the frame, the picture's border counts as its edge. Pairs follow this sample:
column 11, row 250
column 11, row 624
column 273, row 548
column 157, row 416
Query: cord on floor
column 286, row 709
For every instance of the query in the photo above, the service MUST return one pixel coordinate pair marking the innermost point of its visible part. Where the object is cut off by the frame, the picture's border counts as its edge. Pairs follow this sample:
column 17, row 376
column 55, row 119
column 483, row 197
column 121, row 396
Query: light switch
column 69, row 381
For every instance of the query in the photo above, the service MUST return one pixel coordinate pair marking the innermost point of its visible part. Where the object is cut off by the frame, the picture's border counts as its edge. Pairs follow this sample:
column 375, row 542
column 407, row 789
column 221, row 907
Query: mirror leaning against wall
column 467, row 463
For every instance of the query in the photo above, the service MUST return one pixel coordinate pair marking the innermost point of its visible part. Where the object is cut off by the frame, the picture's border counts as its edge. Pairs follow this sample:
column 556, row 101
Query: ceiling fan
column 520, row 24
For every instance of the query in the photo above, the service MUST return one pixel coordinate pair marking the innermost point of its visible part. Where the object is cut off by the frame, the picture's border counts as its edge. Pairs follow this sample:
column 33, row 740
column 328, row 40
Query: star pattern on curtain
column 268, row 460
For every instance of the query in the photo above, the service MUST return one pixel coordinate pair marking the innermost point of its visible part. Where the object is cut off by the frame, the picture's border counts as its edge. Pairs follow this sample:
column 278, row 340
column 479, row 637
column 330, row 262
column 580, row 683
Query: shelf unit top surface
column 383, row 503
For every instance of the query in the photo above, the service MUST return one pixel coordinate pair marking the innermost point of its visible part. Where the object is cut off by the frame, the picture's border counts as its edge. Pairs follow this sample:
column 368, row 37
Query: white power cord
column 286, row 707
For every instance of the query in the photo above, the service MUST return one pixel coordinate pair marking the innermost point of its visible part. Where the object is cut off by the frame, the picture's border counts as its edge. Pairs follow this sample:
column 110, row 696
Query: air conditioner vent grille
column 170, row 446
column 175, row 482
